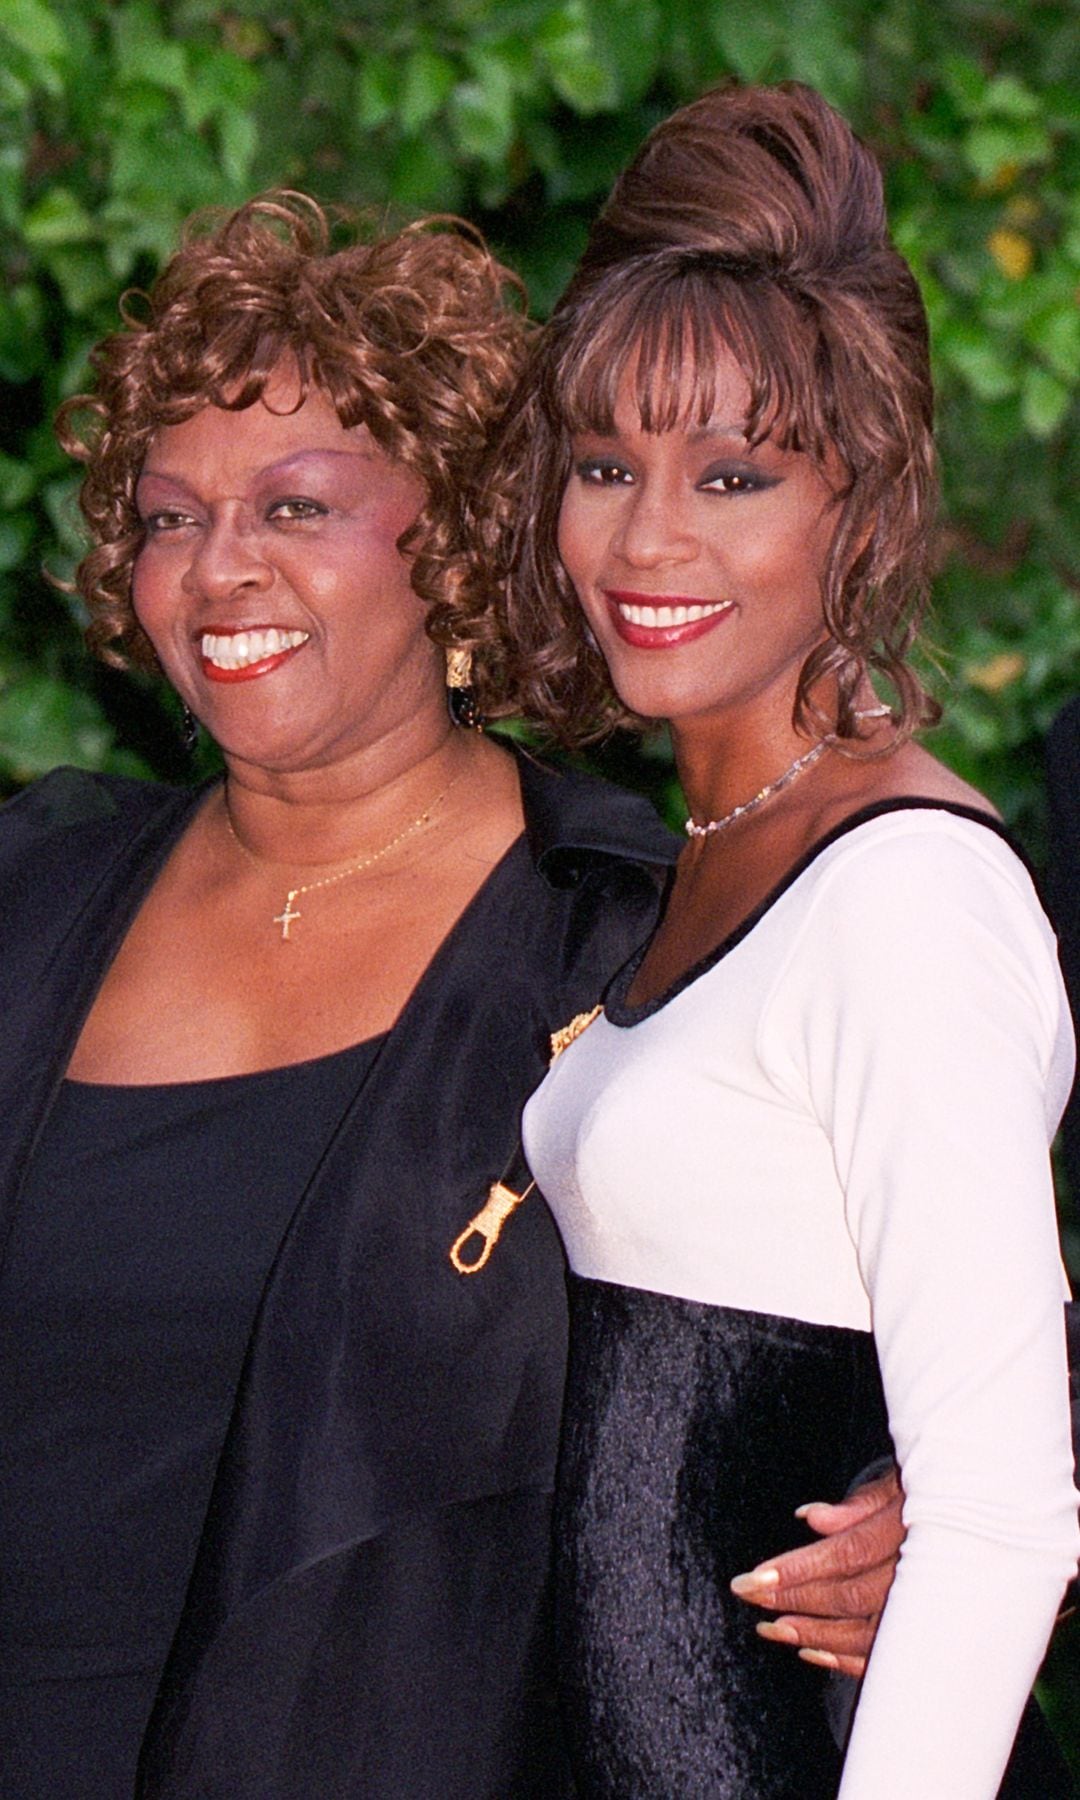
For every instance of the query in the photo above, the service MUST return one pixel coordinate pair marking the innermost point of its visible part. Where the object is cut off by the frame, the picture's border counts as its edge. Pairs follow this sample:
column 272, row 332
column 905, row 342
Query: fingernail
column 812, row 1506
column 821, row 1659
column 755, row 1581
column 777, row 1633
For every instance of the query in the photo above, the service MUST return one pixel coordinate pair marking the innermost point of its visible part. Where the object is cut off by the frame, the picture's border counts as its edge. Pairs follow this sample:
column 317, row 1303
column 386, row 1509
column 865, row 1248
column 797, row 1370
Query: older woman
column 265, row 1049
column 800, row 1158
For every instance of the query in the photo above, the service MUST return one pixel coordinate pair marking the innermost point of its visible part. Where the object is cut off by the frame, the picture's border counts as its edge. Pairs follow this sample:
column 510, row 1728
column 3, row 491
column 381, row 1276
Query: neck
column 722, row 764
column 326, row 815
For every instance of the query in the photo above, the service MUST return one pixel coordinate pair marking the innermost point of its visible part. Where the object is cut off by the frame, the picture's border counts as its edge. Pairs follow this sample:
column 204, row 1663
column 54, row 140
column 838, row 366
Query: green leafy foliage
column 120, row 117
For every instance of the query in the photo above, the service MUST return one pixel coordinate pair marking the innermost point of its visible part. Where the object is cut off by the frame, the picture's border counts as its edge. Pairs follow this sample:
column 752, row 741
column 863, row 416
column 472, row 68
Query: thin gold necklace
column 288, row 916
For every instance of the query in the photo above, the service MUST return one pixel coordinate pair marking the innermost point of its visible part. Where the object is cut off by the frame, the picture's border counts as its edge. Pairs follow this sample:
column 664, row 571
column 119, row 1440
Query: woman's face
column 697, row 559
column 270, row 584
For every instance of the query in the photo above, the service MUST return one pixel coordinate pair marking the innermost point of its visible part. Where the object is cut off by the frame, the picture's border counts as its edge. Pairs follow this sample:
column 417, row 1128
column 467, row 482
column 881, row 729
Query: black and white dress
column 807, row 1203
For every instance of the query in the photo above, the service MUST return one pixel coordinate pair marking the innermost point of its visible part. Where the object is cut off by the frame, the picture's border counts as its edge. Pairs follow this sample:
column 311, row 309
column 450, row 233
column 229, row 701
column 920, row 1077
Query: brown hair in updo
column 411, row 335
column 753, row 218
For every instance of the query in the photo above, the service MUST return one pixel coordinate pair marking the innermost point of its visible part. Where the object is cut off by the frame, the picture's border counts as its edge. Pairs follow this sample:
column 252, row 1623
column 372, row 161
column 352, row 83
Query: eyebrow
column 711, row 428
column 718, row 428
column 272, row 470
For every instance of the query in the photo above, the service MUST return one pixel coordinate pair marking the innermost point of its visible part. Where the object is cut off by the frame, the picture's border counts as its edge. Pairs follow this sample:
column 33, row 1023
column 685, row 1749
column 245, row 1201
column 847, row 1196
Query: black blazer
column 368, row 1614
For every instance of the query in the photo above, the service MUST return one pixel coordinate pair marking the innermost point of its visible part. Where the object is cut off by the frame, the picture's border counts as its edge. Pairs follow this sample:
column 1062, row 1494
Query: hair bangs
column 666, row 324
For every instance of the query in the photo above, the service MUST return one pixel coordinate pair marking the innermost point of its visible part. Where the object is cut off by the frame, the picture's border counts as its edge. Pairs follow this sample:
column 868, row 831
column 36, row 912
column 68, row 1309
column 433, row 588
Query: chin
column 652, row 697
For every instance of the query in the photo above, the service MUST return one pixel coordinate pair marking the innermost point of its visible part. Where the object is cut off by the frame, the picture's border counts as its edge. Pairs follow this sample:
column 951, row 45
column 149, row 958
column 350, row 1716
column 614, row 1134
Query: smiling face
column 271, row 586
column 697, row 557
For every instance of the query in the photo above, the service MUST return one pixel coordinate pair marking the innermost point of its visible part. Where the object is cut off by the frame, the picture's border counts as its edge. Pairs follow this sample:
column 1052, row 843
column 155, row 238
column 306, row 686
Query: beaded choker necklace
column 711, row 826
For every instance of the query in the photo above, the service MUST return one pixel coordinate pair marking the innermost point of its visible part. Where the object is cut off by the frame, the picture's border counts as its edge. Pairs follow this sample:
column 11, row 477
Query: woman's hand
column 830, row 1595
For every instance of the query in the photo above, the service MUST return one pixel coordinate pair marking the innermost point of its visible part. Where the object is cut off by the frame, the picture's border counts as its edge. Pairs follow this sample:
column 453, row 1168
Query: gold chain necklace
column 287, row 916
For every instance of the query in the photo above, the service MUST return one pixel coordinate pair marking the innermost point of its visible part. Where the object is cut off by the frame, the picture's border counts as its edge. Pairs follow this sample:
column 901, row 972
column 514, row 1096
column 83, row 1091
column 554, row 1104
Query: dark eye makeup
column 720, row 478
column 735, row 478
column 602, row 471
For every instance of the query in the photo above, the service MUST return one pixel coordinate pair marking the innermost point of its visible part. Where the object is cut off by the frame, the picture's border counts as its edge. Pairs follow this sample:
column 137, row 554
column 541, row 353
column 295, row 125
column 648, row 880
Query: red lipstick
column 663, row 637
column 250, row 671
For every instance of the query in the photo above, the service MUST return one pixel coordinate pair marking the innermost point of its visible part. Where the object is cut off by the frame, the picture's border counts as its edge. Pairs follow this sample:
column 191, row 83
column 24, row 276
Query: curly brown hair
column 419, row 336
column 753, row 218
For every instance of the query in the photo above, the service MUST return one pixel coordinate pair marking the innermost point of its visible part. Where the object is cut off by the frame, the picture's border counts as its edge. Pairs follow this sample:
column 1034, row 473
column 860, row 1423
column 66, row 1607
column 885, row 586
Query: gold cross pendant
column 285, row 919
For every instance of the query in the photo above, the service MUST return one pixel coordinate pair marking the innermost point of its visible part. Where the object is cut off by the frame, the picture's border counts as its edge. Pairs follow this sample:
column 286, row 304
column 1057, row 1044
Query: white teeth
column 663, row 618
column 242, row 648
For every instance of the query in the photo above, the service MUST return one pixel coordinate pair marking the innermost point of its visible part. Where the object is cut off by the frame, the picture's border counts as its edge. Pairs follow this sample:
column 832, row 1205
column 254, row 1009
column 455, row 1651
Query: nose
column 228, row 559
column 654, row 529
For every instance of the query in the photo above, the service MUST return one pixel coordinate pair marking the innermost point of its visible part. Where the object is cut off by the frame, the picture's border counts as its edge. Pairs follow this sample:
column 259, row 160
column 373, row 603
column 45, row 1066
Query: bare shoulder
column 914, row 773
column 908, row 773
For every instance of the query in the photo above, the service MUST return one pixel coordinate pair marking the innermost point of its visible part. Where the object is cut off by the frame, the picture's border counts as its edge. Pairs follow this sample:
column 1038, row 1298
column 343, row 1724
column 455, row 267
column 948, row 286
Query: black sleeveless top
column 148, row 1224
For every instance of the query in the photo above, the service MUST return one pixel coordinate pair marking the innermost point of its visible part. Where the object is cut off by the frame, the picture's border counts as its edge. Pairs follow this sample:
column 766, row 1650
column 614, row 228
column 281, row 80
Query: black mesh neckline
column 619, row 1011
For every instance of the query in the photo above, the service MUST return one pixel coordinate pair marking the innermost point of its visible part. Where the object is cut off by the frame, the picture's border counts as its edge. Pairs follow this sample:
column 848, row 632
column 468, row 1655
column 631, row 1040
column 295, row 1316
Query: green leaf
column 628, row 36
column 61, row 498
column 1044, row 402
column 992, row 149
column 748, row 35
column 34, row 27
column 566, row 49
column 427, row 84
column 481, row 112
column 12, row 168
column 424, row 178
column 482, row 121
column 820, row 51
column 1056, row 335
column 965, row 81
column 1009, row 98
column 22, row 341
column 16, row 537
column 376, row 90
column 218, row 86
column 83, row 275
column 143, row 54
column 17, row 482
column 239, row 138
column 44, row 722
column 985, row 366
column 58, row 218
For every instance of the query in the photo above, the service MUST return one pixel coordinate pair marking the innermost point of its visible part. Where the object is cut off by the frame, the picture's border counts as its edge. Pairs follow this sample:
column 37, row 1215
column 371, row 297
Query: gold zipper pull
column 488, row 1223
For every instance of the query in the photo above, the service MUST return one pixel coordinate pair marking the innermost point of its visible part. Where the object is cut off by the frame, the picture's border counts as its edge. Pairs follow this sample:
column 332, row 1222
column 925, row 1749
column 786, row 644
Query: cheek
column 364, row 585
column 373, row 538
column 150, row 591
column 571, row 540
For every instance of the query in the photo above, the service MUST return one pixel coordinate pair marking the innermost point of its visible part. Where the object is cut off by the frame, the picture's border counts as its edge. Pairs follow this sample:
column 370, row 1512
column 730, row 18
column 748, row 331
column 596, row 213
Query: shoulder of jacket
column 70, row 797
column 578, row 824
column 78, row 813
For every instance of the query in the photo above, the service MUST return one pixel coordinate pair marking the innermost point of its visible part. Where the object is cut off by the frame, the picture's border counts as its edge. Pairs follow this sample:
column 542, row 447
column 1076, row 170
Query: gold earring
column 459, row 695
column 458, row 667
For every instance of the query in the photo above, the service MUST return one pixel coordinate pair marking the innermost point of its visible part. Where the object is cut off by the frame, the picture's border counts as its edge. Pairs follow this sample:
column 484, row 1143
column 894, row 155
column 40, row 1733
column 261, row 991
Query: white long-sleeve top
column 844, row 1118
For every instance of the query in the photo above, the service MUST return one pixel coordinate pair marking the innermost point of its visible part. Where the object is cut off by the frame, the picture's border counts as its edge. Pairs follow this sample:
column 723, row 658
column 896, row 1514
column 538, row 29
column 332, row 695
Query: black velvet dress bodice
column 148, row 1222
column 692, row 1433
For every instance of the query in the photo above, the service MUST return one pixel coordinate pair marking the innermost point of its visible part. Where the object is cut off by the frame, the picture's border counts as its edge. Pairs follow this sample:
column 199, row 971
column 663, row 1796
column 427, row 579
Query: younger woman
column 800, row 1160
